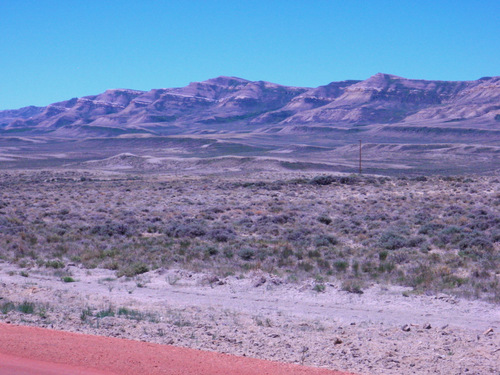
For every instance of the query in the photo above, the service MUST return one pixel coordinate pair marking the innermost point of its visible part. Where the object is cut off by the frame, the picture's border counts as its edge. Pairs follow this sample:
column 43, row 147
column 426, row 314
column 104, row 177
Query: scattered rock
column 337, row 341
column 276, row 280
column 406, row 328
column 488, row 331
column 211, row 280
column 260, row 281
column 427, row 326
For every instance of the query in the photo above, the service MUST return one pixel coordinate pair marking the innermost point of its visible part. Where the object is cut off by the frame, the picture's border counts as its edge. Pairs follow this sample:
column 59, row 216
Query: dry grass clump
column 431, row 233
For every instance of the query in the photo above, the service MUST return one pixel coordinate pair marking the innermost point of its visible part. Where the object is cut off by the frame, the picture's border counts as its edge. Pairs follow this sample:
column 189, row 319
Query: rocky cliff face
column 233, row 104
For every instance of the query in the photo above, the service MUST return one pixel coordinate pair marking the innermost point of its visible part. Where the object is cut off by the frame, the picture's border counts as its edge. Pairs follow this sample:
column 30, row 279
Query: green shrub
column 475, row 247
column 320, row 288
column 26, row 307
column 111, row 229
column 54, row 264
column 324, row 219
column 421, row 276
column 85, row 313
column 133, row 270
column 323, row 264
column 246, row 254
column 348, row 180
column 211, row 251
column 130, row 314
column 415, row 241
column 322, row 180
column 286, row 253
column 221, row 234
column 325, row 240
column 479, row 243
column 452, row 281
column 420, row 178
column 391, row 241
column 104, row 313
column 386, row 267
column 352, row 286
column 190, row 228
column 341, row 265
column 313, row 254
column 308, row 267
column 6, row 307
column 355, row 268
column 450, row 235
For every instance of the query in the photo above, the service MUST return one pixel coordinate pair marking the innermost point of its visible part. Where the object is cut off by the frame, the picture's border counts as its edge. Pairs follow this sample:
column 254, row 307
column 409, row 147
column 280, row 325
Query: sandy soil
column 29, row 350
column 386, row 330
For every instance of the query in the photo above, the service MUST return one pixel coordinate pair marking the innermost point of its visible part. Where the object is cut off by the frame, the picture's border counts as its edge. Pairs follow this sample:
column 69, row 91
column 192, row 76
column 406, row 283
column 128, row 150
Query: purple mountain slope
column 233, row 104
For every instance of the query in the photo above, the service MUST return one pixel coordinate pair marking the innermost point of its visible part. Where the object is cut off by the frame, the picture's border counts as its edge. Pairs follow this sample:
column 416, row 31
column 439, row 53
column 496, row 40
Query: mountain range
column 229, row 104
column 406, row 126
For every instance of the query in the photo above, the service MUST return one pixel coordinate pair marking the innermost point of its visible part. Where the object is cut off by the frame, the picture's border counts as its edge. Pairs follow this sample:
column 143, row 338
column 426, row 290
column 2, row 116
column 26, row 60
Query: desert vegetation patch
column 430, row 233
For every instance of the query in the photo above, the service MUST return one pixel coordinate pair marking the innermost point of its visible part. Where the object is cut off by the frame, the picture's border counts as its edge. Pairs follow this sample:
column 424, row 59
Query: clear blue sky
column 55, row 50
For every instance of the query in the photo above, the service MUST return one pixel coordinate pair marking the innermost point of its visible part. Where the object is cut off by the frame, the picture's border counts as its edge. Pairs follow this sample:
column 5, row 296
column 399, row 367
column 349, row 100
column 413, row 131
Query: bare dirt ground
column 25, row 366
column 378, row 332
column 62, row 353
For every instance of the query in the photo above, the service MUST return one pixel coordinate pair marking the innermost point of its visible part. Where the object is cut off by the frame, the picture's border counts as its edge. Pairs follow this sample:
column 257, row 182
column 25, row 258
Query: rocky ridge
column 230, row 104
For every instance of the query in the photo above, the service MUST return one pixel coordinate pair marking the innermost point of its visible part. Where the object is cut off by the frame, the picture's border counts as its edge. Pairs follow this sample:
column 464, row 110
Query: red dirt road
column 38, row 351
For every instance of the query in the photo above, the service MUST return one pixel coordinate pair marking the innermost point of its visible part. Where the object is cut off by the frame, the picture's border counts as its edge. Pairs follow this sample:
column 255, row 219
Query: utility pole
column 360, row 156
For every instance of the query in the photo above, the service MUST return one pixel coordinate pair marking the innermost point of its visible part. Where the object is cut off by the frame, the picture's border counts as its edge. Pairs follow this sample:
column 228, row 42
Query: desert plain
column 369, row 274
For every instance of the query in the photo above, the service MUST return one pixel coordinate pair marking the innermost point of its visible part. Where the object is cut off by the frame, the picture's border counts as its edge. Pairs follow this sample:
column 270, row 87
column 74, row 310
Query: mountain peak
column 384, row 76
column 381, row 80
column 226, row 81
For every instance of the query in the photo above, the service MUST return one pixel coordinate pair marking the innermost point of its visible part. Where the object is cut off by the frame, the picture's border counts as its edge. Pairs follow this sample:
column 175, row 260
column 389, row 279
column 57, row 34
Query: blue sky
column 56, row 50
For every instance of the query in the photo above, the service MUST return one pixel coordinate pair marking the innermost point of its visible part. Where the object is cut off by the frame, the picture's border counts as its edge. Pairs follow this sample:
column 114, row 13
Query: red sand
column 30, row 351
